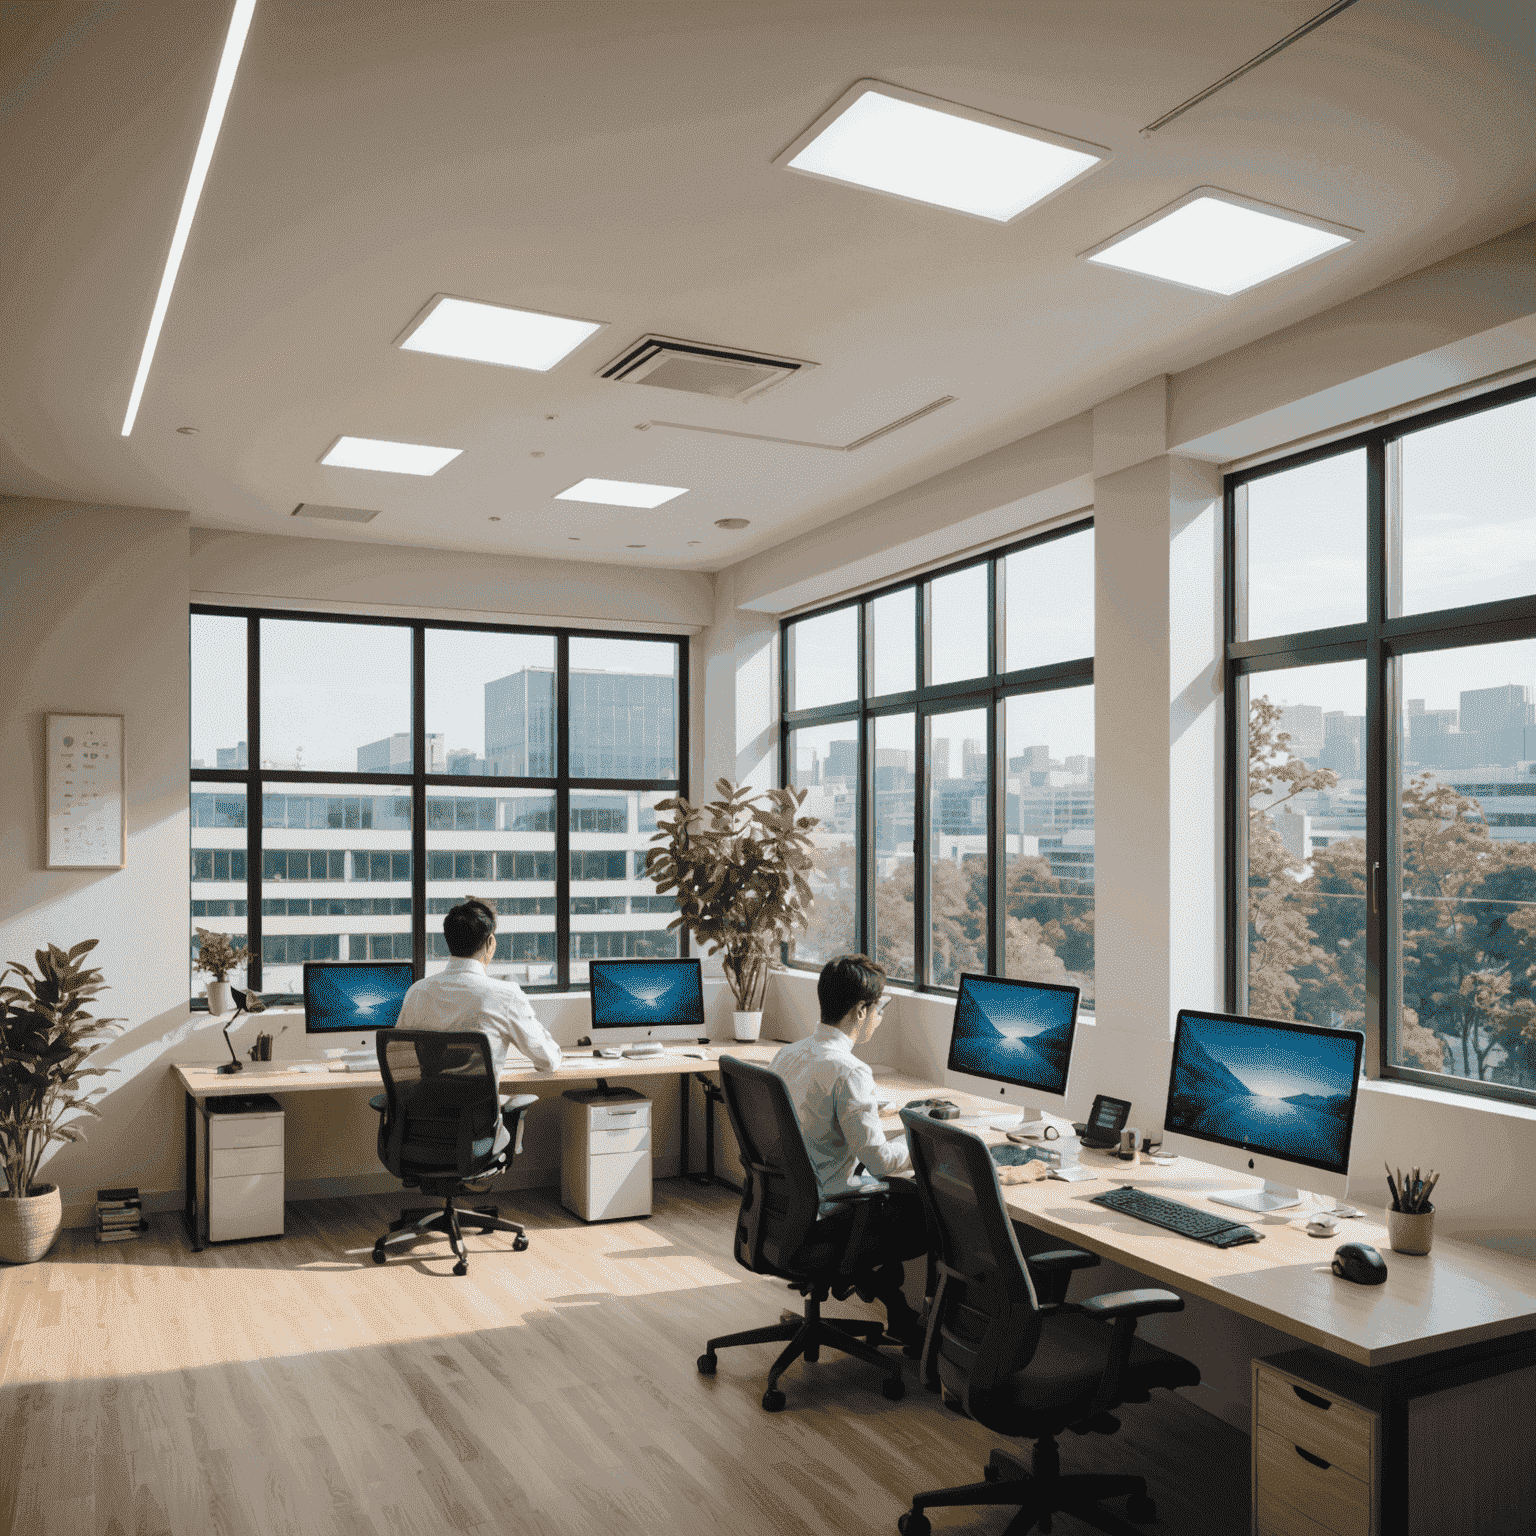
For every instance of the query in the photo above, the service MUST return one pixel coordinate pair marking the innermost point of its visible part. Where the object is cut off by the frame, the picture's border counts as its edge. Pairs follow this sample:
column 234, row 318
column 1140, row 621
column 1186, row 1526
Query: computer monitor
column 345, row 999
column 1012, row 1041
column 1265, row 1097
column 640, row 1003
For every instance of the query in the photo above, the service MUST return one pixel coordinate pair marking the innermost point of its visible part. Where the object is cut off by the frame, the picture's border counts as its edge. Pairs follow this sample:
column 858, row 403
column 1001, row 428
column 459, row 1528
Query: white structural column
column 1158, row 727
column 737, row 678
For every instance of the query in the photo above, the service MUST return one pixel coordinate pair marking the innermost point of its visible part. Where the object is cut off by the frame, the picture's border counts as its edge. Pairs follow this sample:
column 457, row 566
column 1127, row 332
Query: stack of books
column 119, row 1215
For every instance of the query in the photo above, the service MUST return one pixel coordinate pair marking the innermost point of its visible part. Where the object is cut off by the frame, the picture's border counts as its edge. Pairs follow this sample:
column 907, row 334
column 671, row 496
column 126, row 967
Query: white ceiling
column 612, row 160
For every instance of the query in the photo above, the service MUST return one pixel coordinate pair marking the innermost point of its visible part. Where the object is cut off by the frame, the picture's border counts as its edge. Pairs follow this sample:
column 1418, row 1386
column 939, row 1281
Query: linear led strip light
column 223, row 83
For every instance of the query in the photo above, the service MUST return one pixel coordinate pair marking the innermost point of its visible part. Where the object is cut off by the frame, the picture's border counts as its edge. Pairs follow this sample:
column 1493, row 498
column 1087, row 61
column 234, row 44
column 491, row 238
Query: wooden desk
column 200, row 1082
column 1443, row 1352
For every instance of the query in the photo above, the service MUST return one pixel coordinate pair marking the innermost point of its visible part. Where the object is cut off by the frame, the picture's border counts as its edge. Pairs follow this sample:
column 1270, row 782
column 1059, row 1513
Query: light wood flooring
column 292, row 1386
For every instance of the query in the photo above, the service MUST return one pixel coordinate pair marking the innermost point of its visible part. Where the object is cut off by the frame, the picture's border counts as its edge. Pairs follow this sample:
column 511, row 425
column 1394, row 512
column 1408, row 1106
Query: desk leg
column 189, row 1204
column 713, row 1094
column 685, row 1104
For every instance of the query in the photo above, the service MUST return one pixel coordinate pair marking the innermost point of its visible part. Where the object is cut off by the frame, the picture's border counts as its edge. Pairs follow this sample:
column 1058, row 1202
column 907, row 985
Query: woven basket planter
column 29, row 1226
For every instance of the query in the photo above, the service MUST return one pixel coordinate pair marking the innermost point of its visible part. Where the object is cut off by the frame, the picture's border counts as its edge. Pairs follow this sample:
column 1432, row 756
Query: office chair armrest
column 1062, row 1258
column 1121, row 1309
column 867, row 1193
column 519, row 1100
column 1130, row 1305
column 379, row 1102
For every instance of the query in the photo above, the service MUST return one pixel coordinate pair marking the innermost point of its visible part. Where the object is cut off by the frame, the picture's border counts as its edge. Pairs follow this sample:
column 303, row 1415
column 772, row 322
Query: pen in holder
column 1411, row 1221
column 262, row 1050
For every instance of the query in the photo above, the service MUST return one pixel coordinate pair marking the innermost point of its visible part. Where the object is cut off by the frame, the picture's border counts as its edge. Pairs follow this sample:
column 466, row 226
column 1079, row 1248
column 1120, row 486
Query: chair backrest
column 780, row 1197
column 442, row 1108
column 987, row 1321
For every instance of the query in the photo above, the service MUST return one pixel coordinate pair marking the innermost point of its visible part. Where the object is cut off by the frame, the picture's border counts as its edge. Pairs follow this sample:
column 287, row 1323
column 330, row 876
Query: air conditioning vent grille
column 696, row 369
column 333, row 514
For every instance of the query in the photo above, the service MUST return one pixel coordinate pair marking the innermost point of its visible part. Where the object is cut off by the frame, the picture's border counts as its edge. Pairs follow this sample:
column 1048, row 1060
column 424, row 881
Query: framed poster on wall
column 86, row 826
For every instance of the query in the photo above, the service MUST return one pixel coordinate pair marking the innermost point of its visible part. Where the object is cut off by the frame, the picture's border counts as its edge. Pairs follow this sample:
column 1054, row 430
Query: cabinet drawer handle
column 1317, row 1461
column 1311, row 1397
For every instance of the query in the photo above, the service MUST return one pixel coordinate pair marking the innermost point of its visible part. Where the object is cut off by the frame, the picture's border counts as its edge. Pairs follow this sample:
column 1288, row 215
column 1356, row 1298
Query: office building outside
column 623, row 724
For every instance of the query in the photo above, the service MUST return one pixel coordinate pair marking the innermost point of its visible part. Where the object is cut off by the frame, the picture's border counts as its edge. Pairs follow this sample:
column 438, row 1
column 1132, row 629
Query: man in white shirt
column 462, row 996
column 834, row 1096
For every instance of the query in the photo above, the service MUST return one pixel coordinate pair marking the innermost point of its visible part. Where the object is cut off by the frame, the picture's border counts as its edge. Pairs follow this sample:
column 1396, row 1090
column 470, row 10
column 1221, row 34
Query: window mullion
column 253, row 801
column 563, row 812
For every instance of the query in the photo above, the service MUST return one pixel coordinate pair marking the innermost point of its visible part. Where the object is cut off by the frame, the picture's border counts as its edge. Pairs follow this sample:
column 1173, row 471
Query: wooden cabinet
column 1316, row 1459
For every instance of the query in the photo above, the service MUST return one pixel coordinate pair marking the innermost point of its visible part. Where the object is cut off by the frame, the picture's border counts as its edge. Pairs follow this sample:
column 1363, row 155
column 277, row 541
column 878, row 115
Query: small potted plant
column 218, row 956
column 46, row 1037
column 739, row 868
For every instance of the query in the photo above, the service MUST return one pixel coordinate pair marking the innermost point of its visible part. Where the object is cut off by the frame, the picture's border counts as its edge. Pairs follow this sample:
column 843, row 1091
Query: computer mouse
column 1322, row 1225
column 1359, row 1262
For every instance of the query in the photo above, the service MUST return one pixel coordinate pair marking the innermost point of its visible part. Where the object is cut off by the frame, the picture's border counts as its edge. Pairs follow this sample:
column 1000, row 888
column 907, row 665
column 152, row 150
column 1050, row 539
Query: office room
column 1086, row 453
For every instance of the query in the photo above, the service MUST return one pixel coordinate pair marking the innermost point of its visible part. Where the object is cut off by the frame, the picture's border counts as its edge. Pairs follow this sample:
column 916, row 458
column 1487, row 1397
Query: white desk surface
column 1457, row 1294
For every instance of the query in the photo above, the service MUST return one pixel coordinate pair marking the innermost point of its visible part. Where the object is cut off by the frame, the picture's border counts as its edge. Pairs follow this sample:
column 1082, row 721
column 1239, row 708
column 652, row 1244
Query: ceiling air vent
column 696, row 369
column 333, row 514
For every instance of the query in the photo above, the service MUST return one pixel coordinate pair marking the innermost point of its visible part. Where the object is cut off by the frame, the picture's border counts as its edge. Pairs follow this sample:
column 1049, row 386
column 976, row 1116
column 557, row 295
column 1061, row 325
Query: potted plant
column 218, row 956
column 44, row 1035
column 738, row 866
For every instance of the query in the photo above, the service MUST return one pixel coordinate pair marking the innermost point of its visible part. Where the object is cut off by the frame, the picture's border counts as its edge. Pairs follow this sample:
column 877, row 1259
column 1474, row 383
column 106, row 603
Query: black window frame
column 416, row 783
column 1380, row 640
column 989, row 691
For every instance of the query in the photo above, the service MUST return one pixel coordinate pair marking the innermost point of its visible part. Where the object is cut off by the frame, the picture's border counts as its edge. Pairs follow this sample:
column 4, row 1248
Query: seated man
column 462, row 996
column 834, row 1096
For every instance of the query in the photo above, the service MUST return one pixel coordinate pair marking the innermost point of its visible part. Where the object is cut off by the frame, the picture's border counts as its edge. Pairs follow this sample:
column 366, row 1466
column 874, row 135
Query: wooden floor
column 293, row 1386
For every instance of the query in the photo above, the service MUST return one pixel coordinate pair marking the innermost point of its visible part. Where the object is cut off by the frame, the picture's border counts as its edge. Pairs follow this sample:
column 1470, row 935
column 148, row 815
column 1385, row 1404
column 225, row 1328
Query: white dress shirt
column 463, row 996
column 834, row 1095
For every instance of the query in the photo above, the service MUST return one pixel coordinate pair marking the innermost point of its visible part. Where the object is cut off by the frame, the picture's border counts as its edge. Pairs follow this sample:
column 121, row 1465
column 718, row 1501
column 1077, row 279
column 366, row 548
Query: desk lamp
column 245, row 1002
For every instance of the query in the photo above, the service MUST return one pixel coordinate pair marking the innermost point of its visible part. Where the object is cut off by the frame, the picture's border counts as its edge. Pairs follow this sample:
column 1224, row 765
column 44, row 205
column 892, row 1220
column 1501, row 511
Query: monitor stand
column 1272, row 1197
column 646, row 1048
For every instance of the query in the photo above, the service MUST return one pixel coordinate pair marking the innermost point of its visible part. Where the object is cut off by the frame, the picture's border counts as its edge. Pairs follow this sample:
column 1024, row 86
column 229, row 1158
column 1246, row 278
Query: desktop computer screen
column 1012, row 1040
column 1265, row 1096
column 646, row 1000
column 354, row 995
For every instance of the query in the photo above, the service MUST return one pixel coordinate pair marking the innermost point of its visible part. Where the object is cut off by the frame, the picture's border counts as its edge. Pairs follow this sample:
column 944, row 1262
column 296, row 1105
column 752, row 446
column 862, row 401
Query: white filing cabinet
column 241, row 1170
column 605, row 1153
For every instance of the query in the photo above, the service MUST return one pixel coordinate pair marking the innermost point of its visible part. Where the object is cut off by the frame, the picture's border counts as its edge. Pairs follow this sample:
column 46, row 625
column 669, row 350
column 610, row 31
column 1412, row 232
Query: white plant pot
column 29, row 1226
column 747, row 1026
column 219, row 1000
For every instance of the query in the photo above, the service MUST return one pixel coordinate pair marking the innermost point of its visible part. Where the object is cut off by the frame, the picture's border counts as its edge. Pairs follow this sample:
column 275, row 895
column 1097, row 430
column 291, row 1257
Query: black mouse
column 1359, row 1262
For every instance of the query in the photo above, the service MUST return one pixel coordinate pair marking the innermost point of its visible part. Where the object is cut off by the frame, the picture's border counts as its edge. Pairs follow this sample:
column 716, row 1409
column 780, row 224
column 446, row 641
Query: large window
column 1382, row 672
column 943, row 732
column 353, row 779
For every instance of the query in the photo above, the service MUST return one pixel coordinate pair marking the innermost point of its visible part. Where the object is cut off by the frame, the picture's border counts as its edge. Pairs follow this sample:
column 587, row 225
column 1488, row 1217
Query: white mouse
column 1323, row 1226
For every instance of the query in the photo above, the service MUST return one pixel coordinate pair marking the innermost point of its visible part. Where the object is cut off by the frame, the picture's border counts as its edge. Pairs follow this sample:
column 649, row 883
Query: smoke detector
column 727, row 373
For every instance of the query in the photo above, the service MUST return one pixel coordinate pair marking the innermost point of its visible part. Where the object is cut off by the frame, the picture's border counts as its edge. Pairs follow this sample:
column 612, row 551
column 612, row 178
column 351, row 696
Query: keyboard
column 1204, row 1226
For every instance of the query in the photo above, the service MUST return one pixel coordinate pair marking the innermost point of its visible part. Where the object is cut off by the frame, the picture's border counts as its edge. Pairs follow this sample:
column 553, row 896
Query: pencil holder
column 1411, row 1231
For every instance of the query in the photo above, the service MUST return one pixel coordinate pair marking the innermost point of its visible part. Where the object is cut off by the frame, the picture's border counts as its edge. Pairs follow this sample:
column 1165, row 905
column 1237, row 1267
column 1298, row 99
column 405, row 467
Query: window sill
column 1395, row 1088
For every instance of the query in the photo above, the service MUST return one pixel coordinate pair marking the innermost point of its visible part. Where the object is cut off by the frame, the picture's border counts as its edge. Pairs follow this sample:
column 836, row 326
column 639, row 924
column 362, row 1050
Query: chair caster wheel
column 1141, row 1509
column 914, row 1523
column 461, row 1268
column 378, row 1254
column 707, row 1364
column 893, row 1388
column 520, row 1242
column 773, row 1400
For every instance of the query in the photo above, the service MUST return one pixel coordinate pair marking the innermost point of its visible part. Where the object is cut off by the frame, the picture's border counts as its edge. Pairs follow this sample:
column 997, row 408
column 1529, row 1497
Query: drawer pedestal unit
column 605, row 1153
column 1316, row 1459
column 240, row 1168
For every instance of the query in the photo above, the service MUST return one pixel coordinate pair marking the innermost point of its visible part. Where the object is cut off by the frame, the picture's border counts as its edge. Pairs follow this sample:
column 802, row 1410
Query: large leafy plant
column 46, row 1037
column 738, row 866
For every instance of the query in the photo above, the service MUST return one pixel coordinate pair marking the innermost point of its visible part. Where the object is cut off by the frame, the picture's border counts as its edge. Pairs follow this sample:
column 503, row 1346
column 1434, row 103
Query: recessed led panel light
column 1219, row 242
column 882, row 137
column 395, row 458
column 621, row 493
column 493, row 333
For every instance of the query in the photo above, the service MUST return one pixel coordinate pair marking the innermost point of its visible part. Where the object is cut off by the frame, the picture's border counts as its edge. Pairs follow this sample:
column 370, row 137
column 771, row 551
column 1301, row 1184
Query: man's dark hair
column 467, row 927
column 845, row 982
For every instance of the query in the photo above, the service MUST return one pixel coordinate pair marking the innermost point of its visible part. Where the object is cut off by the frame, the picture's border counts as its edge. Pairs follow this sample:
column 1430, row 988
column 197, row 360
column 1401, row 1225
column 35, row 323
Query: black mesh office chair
column 439, row 1117
column 778, row 1232
column 1020, row 1366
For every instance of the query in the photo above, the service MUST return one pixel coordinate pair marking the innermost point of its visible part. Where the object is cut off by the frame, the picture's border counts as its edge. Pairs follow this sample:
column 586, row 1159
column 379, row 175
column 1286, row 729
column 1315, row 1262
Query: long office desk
column 202, row 1081
column 1443, row 1353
